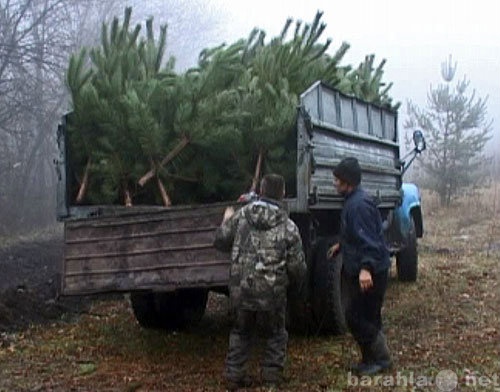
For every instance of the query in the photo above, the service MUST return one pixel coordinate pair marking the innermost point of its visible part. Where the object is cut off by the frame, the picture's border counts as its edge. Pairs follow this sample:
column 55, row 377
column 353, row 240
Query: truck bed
column 332, row 126
column 133, row 249
column 118, row 249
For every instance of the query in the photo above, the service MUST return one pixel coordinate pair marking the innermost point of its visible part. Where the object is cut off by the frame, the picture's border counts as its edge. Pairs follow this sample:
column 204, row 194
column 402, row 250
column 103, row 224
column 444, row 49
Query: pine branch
column 180, row 178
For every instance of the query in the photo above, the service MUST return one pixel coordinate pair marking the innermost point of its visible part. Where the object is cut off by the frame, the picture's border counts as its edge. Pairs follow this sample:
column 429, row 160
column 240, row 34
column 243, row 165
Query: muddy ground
column 29, row 283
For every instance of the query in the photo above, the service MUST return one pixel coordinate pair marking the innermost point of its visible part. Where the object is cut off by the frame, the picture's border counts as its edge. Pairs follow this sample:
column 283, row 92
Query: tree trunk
column 127, row 198
column 167, row 202
column 84, row 183
column 171, row 155
column 257, row 173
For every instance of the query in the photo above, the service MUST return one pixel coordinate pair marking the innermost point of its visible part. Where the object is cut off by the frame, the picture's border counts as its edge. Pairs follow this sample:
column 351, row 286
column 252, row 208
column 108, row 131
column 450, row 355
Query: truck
column 164, row 256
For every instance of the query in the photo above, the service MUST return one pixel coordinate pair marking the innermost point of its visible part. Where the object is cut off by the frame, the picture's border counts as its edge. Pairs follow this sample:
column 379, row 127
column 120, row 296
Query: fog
column 414, row 38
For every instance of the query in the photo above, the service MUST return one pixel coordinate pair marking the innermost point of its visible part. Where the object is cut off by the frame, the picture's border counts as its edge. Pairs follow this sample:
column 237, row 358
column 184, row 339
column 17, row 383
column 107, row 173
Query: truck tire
column 143, row 306
column 169, row 310
column 328, row 292
column 192, row 305
column 298, row 318
column 407, row 258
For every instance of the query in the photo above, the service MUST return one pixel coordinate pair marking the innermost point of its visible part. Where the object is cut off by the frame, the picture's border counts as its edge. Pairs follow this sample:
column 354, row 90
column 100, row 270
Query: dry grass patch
column 447, row 321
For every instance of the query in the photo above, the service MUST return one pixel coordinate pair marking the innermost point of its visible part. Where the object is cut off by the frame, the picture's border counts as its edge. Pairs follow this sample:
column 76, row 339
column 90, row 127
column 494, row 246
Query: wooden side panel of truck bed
column 133, row 250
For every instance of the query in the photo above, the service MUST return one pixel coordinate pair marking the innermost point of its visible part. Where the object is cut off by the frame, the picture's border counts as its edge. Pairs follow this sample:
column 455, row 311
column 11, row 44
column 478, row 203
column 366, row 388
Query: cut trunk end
column 85, row 182
column 167, row 202
column 127, row 198
column 257, row 173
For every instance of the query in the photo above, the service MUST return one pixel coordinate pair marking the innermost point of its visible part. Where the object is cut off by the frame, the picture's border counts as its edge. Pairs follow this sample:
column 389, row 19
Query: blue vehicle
column 406, row 224
column 165, row 259
column 409, row 221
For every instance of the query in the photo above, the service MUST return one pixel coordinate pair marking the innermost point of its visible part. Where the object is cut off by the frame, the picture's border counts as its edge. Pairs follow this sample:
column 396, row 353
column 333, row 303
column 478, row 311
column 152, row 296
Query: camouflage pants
column 248, row 323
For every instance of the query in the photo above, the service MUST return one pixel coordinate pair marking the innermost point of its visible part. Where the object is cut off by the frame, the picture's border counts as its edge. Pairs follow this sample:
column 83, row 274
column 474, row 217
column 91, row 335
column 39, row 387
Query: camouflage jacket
column 266, row 253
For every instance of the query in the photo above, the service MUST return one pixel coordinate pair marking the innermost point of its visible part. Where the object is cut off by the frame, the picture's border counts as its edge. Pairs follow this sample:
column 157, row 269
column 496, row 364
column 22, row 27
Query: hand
column 228, row 213
column 365, row 280
column 332, row 252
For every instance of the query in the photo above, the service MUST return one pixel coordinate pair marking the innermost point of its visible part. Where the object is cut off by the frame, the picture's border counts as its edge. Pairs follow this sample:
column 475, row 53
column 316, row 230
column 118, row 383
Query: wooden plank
column 165, row 249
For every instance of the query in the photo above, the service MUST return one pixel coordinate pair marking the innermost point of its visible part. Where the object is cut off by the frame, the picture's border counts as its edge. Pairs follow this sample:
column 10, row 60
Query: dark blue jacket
column 362, row 238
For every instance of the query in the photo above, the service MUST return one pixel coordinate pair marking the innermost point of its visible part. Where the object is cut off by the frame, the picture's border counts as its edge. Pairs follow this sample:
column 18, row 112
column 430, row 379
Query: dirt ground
column 29, row 267
column 445, row 324
column 29, row 283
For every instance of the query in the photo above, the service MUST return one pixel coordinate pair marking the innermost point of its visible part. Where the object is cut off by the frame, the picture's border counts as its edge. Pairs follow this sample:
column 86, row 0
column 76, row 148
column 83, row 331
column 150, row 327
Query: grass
column 445, row 324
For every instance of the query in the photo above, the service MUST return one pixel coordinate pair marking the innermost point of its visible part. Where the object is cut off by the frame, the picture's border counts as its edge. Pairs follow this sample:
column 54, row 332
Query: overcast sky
column 415, row 37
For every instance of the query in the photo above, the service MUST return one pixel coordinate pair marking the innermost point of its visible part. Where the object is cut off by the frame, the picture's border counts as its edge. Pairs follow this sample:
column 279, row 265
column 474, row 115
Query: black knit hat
column 348, row 170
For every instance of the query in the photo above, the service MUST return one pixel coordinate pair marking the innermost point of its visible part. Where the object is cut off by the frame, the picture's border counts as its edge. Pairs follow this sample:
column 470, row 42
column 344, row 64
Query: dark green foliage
column 114, row 104
column 366, row 83
column 209, row 133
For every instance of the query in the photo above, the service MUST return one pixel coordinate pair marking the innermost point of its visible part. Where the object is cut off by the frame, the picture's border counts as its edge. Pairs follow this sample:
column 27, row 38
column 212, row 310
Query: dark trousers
column 271, row 324
column 363, row 311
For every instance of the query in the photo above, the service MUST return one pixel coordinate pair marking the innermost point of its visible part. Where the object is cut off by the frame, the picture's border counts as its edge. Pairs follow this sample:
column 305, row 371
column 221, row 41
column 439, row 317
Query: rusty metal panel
column 161, row 249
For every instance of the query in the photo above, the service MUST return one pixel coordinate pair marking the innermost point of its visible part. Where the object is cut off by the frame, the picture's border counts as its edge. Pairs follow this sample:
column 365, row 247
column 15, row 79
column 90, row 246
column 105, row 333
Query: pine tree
column 113, row 104
column 204, row 135
column 268, row 91
column 203, row 121
column 366, row 83
column 457, row 132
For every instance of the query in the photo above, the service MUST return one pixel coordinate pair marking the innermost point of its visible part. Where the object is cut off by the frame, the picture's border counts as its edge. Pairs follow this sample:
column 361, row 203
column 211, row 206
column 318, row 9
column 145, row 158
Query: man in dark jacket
column 366, row 266
column 266, row 254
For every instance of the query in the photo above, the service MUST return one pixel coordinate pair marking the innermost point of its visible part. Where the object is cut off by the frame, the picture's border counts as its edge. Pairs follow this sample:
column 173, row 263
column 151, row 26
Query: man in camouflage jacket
column 266, row 255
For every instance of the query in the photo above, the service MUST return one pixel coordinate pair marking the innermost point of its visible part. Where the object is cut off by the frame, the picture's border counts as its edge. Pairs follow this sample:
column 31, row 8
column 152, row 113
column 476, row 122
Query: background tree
column 32, row 51
column 457, row 131
column 36, row 40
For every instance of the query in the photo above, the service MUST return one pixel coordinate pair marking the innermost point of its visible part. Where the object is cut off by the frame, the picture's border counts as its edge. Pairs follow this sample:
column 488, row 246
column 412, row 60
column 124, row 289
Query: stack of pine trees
column 140, row 133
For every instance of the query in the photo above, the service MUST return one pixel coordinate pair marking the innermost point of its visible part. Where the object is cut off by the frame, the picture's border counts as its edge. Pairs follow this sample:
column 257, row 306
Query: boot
column 365, row 359
column 272, row 378
column 235, row 384
column 380, row 359
column 381, row 351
